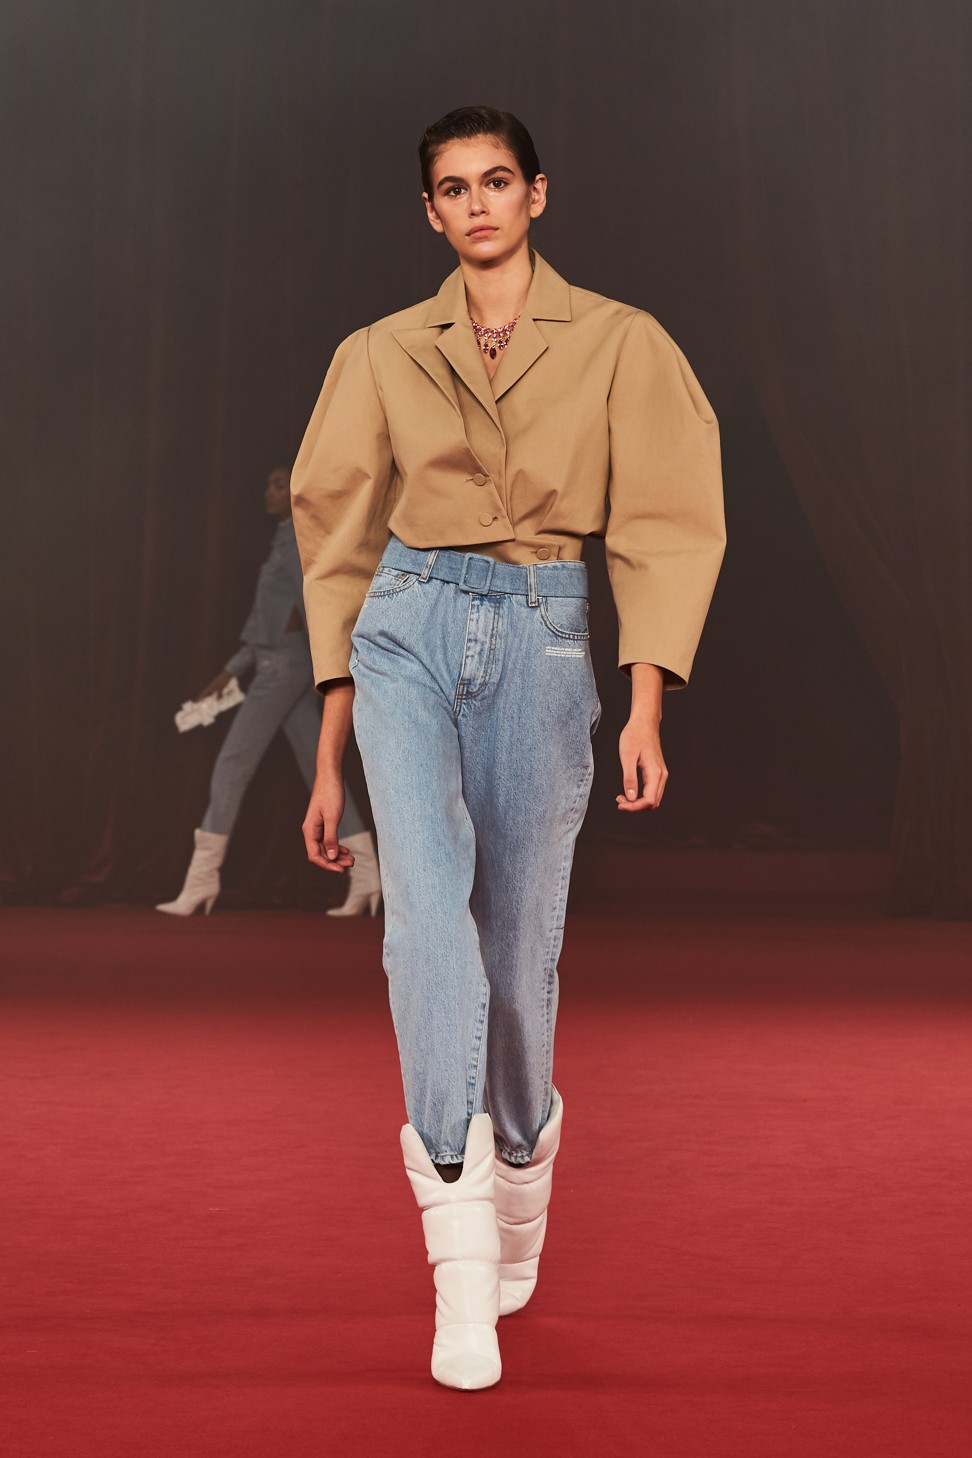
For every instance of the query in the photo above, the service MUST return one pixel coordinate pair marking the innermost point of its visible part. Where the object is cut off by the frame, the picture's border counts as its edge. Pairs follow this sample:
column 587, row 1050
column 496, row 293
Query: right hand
column 320, row 827
column 215, row 688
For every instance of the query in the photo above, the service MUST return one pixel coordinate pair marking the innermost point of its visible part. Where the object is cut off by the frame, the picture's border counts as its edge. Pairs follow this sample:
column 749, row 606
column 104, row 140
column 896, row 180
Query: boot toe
column 467, row 1357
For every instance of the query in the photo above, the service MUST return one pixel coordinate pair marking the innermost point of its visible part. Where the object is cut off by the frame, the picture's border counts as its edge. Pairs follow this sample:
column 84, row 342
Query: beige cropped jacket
column 593, row 424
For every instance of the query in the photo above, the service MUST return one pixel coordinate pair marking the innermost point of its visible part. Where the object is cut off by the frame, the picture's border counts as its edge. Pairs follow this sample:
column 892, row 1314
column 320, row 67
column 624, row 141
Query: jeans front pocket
column 386, row 582
column 566, row 616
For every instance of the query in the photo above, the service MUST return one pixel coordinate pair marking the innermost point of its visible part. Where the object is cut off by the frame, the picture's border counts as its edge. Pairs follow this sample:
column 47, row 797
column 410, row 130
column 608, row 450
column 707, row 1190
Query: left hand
column 640, row 751
column 320, row 827
column 215, row 686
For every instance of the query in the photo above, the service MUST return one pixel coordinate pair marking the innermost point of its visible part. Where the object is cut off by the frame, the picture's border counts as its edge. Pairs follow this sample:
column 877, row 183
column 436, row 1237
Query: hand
column 321, row 823
column 640, row 749
column 215, row 688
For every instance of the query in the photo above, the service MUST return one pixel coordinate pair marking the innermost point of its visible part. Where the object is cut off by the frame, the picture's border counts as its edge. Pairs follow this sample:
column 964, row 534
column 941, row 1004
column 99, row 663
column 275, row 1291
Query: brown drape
column 150, row 385
column 204, row 198
column 854, row 136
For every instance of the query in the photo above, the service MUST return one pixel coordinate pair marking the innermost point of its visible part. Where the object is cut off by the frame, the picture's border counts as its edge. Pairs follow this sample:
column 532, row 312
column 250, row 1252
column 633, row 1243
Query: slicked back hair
column 468, row 122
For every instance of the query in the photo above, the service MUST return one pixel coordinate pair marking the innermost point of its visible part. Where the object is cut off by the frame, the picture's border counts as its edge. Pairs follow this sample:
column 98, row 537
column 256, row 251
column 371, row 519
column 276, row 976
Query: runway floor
column 760, row 1235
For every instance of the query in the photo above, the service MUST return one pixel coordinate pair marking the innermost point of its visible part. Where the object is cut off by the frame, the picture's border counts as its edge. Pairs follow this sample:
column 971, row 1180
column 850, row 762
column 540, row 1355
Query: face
column 276, row 497
column 481, row 201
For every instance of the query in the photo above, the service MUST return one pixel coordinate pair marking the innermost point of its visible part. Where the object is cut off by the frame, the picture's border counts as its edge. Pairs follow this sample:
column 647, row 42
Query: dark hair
column 478, row 121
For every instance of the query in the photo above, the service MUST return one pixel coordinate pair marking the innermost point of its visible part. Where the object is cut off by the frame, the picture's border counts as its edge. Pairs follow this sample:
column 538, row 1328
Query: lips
column 479, row 232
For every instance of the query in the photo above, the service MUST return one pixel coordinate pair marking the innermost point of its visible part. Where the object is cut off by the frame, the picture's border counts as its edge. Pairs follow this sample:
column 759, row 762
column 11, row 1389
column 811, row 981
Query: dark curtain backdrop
column 203, row 199
column 858, row 338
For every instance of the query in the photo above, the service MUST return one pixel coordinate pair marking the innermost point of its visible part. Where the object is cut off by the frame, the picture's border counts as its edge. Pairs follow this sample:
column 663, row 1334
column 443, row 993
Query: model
column 458, row 456
column 274, row 648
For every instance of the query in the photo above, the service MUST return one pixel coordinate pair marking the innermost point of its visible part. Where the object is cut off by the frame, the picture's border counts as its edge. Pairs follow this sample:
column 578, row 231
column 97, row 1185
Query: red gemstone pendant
column 492, row 352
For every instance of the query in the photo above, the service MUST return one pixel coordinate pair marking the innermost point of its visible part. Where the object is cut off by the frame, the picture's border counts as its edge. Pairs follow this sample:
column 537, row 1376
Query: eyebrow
column 490, row 172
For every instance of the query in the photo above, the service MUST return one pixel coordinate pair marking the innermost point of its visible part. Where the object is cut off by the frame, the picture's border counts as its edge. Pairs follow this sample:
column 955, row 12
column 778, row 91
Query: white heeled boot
column 201, row 886
column 522, row 1194
column 364, row 882
column 459, row 1222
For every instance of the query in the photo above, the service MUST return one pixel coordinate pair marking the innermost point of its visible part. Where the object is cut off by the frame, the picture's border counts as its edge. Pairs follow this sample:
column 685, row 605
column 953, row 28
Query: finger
column 661, row 788
column 654, row 778
column 629, row 775
column 642, row 803
column 649, row 799
column 337, row 856
column 312, row 831
column 342, row 862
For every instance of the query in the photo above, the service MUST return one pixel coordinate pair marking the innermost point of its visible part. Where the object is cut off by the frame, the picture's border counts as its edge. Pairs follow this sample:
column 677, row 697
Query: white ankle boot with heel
column 201, row 886
column 462, row 1239
column 522, row 1194
column 364, row 882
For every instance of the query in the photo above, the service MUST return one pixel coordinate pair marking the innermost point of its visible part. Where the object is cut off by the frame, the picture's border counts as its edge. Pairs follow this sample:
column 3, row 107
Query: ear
column 431, row 214
column 538, row 195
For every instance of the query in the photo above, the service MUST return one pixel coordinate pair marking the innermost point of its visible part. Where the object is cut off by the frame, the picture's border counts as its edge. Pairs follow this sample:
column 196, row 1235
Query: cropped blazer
column 593, row 424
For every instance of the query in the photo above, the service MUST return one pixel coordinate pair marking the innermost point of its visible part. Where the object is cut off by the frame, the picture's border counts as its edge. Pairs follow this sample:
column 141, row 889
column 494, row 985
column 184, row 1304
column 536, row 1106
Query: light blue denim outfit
column 281, row 694
column 474, row 707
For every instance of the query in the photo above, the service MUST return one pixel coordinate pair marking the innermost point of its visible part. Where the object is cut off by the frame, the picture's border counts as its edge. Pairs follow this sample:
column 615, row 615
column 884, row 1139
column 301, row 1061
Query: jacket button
column 486, row 519
column 543, row 553
column 479, row 479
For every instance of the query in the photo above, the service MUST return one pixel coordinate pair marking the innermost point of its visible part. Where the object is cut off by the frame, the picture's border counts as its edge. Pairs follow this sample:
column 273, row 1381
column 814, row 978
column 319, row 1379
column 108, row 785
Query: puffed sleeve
column 343, row 486
column 666, row 528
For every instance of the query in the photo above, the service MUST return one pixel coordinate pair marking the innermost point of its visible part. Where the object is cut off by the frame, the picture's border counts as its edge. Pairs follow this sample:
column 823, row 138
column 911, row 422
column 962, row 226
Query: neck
column 497, row 294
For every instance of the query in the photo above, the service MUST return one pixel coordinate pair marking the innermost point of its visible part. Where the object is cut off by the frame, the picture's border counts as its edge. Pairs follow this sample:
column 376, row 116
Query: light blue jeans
column 281, row 695
column 474, row 708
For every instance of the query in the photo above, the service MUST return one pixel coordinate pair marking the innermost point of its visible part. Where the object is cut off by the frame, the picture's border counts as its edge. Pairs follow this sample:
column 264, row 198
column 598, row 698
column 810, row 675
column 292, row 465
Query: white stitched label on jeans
column 564, row 652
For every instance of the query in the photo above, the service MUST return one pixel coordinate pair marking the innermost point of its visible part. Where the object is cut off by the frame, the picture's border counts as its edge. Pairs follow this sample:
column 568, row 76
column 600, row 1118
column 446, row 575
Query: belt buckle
column 477, row 574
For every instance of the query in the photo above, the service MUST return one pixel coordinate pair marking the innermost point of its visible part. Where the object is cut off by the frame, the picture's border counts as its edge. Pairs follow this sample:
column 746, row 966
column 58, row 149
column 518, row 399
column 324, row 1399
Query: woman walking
column 459, row 454
column 281, row 696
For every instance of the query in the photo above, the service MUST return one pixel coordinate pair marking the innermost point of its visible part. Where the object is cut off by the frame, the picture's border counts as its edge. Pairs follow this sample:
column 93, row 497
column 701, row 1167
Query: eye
column 454, row 190
column 498, row 183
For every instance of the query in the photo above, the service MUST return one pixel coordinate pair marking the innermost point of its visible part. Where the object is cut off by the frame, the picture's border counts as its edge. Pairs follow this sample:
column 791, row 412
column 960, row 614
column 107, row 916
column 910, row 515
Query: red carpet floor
column 759, row 1243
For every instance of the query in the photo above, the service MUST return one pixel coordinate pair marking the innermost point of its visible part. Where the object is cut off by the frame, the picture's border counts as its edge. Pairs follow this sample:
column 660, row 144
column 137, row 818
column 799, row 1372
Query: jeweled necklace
column 491, row 341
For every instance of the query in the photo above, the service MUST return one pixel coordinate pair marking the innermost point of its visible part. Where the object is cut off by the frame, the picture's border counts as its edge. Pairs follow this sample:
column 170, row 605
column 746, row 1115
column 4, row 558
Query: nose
column 477, row 205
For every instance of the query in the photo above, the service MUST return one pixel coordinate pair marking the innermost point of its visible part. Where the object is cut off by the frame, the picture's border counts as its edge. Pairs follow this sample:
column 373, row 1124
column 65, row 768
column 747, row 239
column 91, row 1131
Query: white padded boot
column 201, row 886
column 459, row 1221
column 522, row 1194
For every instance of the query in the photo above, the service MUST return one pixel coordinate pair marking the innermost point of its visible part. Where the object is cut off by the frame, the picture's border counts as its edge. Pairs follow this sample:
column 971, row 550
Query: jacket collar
column 548, row 298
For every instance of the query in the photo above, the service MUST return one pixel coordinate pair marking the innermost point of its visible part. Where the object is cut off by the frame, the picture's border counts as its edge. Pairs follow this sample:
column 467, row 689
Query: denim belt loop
column 532, row 598
column 477, row 573
column 429, row 565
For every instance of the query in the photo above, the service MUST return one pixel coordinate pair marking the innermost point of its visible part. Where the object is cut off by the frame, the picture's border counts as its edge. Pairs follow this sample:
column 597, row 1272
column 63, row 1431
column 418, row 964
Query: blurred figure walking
column 274, row 647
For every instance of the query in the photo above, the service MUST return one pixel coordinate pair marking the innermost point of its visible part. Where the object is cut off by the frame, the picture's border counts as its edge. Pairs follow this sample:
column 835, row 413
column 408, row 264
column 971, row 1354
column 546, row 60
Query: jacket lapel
column 447, row 338
column 523, row 350
column 421, row 345
column 459, row 346
column 549, row 298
